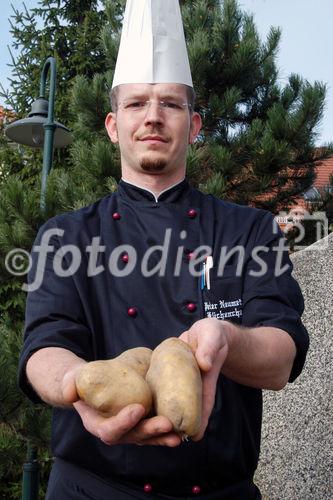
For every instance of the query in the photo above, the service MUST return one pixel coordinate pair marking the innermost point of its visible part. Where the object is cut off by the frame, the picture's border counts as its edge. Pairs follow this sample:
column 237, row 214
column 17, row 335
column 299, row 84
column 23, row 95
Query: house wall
column 297, row 441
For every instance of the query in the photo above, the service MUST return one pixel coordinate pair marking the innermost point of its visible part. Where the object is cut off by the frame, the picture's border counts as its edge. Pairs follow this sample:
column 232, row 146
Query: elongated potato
column 175, row 380
column 108, row 386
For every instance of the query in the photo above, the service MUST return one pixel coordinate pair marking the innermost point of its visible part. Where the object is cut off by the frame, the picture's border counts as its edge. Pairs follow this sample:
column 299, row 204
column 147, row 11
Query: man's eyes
column 171, row 105
column 135, row 104
column 143, row 104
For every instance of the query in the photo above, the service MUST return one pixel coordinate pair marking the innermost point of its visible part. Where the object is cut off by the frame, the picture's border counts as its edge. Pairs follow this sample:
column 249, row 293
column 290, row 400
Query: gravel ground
column 297, row 439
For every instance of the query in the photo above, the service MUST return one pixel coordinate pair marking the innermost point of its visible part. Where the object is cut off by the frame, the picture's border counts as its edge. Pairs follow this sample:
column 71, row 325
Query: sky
column 305, row 48
column 306, row 43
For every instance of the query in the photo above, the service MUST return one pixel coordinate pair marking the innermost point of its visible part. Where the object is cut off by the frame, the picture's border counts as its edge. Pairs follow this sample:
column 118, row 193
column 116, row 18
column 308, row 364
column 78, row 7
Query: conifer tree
column 69, row 31
column 257, row 145
column 66, row 30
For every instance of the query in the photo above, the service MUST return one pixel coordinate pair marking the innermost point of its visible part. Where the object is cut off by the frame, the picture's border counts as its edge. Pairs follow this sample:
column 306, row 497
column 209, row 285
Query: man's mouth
column 153, row 139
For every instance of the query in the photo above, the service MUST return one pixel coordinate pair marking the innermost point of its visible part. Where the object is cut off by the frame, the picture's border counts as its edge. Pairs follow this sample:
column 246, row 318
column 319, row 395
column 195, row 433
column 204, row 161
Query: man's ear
column 111, row 127
column 196, row 124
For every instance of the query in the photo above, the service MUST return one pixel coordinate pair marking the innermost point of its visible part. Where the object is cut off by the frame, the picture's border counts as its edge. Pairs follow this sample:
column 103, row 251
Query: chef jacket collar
column 136, row 193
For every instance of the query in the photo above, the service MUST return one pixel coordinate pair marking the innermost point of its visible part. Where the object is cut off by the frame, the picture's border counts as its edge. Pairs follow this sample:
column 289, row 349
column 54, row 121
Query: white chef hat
column 152, row 47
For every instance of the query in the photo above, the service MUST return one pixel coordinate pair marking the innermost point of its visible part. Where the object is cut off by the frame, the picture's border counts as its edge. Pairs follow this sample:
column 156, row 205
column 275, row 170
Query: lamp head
column 30, row 131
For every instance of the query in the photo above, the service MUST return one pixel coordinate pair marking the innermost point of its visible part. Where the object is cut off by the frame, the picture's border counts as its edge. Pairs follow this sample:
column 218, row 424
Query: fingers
column 209, row 381
column 153, row 431
column 110, row 430
column 209, row 348
column 171, row 440
column 68, row 386
column 127, row 426
column 184, row 337
column 190, row 339
column 206, row 337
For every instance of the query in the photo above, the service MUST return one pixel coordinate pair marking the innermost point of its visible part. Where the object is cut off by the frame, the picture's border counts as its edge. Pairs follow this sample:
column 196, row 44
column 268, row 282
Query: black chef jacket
column 100, row 316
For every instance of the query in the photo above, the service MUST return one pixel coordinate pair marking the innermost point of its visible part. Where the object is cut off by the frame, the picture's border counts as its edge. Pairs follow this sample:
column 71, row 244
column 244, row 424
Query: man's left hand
column 208, row 339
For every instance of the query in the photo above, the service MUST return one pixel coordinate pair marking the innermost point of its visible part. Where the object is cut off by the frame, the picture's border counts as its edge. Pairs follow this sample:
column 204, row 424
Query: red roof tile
column 324, row 171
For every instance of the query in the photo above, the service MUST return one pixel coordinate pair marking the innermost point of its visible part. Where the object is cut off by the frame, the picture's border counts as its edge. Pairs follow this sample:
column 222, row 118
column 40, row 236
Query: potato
column 175, row 380
column 137, row 358
column 108, row 386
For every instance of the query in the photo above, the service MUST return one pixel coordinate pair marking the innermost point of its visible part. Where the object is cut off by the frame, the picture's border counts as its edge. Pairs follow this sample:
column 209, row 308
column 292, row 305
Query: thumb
column 211, row 353
column 68, row 385
column 204, row 358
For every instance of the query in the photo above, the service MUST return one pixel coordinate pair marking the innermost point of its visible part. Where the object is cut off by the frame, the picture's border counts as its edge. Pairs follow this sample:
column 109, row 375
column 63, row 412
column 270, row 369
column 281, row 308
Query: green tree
column 258, row 136
column 69, row 31
column 257, row 145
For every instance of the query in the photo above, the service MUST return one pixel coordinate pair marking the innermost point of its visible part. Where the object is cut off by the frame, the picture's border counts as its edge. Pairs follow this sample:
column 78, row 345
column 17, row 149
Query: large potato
column 175, row 380
column 108, row 386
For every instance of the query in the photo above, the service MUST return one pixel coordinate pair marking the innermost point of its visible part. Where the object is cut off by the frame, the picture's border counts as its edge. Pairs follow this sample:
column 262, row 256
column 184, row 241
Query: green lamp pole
column 30, row 481
column 49, row 126
column 39, row 130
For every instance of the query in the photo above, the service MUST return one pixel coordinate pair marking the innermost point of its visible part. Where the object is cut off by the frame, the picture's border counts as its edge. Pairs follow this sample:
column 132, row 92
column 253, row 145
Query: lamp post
column 30, row 481
column 40, row 130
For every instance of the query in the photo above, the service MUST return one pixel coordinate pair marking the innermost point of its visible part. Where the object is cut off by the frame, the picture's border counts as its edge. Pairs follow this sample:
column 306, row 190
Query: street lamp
column 40, row 130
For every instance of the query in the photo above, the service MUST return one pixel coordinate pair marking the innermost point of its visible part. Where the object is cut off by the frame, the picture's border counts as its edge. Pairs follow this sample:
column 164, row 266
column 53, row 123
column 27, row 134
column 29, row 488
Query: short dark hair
column 113, row 95
column 190, row 94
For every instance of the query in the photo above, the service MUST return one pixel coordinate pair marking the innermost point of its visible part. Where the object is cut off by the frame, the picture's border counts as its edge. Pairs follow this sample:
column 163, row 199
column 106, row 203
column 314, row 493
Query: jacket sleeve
column 54, row 313
column 272, row 297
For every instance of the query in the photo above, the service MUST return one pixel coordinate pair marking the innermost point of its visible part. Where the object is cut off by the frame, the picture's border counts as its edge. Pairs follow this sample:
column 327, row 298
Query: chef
column 155, row 259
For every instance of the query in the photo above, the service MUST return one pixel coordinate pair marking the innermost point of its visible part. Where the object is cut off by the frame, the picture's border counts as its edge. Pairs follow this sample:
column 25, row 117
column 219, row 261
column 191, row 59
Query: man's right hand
column 128, row 426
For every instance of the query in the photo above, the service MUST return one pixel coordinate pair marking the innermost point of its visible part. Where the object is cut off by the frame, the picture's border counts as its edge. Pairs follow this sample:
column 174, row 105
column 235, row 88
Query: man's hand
column 128, row 426
column 209, row 341
column 260, row 357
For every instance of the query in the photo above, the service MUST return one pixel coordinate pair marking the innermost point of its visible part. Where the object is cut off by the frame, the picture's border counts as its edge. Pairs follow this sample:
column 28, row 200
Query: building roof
column 6, row 115
column 324, row 171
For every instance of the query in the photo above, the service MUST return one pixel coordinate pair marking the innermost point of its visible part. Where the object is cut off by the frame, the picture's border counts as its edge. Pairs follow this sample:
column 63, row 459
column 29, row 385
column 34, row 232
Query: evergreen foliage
column 258, row 136
column 69, row 31
column 257, row 146
column 21, row 423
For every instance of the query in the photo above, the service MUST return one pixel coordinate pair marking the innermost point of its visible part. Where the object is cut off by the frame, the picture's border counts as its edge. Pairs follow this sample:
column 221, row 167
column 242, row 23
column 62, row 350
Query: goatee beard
column 153, row 165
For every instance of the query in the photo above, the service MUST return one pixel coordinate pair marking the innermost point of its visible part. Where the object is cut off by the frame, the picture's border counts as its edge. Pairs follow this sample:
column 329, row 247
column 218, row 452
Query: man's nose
column 154, row 113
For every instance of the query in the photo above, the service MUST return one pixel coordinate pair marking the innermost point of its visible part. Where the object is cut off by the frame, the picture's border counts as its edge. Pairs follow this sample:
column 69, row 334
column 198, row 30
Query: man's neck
column 156, row 184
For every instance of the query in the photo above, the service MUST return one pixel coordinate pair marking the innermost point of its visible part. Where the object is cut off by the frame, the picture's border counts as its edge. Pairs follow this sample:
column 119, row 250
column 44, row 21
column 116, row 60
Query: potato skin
column 137, row 358
column 175, row 381
column 108, row 386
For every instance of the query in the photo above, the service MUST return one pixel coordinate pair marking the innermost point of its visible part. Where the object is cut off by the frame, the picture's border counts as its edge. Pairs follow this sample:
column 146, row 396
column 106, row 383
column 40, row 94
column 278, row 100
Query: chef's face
column 153, row 125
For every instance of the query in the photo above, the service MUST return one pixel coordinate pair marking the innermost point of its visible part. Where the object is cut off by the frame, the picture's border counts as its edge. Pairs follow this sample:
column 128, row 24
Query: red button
column 147, row 488
column 125, row 258
column 191, row 307
column 132, row 312
column 192, row 213
column 116, row 216
column 196, row 490
column 190, row 255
